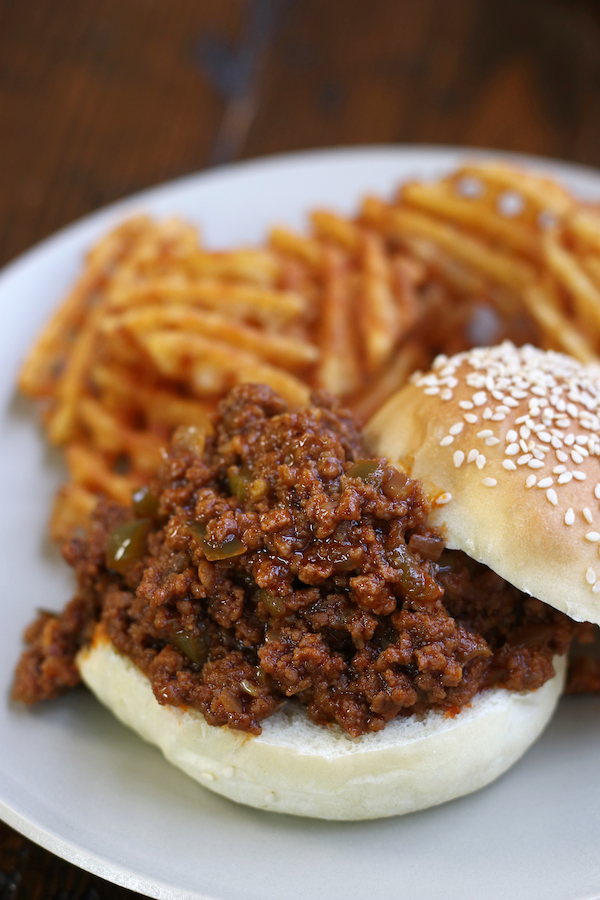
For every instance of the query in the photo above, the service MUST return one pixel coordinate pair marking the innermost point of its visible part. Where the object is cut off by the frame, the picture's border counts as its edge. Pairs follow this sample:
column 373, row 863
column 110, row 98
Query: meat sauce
column 273, row 562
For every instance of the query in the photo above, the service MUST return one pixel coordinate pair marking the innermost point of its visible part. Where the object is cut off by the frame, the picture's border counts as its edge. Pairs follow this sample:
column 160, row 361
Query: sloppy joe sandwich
column 277, row 613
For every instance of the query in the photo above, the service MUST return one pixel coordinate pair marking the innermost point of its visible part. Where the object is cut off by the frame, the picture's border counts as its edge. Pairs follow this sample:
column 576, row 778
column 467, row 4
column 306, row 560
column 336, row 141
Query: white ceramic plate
column 77, row 782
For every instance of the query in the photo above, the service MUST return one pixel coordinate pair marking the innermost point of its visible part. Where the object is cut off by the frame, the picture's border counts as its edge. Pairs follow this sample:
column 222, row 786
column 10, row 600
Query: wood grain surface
column 100, row 99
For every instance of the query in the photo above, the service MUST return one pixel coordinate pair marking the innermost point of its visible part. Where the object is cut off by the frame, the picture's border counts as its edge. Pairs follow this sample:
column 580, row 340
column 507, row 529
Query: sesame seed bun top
column 506, row 442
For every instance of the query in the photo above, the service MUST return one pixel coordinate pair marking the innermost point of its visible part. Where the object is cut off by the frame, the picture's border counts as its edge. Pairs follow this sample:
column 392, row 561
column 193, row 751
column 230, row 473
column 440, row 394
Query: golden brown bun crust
column 510, row 439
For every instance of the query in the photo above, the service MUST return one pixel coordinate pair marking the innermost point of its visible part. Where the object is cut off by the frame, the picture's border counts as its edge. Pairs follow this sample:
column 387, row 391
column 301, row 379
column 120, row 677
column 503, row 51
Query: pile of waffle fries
column 157, row 329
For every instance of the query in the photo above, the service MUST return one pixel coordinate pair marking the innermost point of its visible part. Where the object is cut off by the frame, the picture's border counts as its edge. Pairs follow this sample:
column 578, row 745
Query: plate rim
column 574, row 171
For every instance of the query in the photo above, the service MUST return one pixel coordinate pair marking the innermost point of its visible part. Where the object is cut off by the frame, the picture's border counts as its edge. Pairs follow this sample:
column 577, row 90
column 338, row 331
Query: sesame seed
column 459, row 458
column 576, row 457
column 518, row 395
column 587, row 515
column 570, row 440
column 480, row 461
column 544, row 436
column 558, row 470
column 545, row 482
column 465, row 404
column 471, row 418
column 442, row 499
column 565, row 478
column 569, row 517
column 498, row 417
column 489, row 482
column 523, row 445
column 512, row 450
column 561, row 456
column 590, row 576
column 593, row 537
column 551, row 495
column 430, row 391
column 510, row 401
column 524, row 432
column 596, row 588
column 450, row 380
column 523, row 460
column 597, row 492
column 473, row 454
column 579, row 476
column 508, row 464
column 479, row 398
column 535, row 464
column 511, row 436
column 446, row 441
column 530, row 481
column 476, row 380
column 456, row 429
column 446, row 394
column 502, row 409
column 487, row 432
column 572, row 410
column 492, row 441
column 521, row 419
column 539, row 454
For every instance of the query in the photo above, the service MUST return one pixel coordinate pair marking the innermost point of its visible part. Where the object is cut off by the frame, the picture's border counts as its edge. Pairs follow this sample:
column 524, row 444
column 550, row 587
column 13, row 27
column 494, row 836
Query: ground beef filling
column 274, row 562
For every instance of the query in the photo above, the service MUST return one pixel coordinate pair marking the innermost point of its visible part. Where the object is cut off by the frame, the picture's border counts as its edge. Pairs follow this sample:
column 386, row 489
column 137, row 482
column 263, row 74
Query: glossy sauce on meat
column 272, row 562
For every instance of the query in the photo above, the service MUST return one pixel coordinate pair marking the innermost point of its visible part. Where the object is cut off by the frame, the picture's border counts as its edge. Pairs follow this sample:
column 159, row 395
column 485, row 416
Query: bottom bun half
column 304, row 769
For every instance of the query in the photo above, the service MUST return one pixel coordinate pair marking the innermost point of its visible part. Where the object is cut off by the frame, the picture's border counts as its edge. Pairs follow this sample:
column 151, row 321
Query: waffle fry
column 88, row 468
column 569, row 275
column 380, row 313
column 473, row 252
column 283, row 350
column 41, row 369
column 337, row 370
column 516, row 238
column 480, row 218
column 71, row 510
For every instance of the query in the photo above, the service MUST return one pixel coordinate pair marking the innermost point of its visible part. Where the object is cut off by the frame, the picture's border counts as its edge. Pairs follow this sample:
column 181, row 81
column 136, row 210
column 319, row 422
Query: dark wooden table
column 100, row 99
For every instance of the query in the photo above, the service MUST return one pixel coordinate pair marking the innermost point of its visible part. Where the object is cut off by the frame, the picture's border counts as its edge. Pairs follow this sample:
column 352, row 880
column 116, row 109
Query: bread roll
column 506, row 442
column 297, row 767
